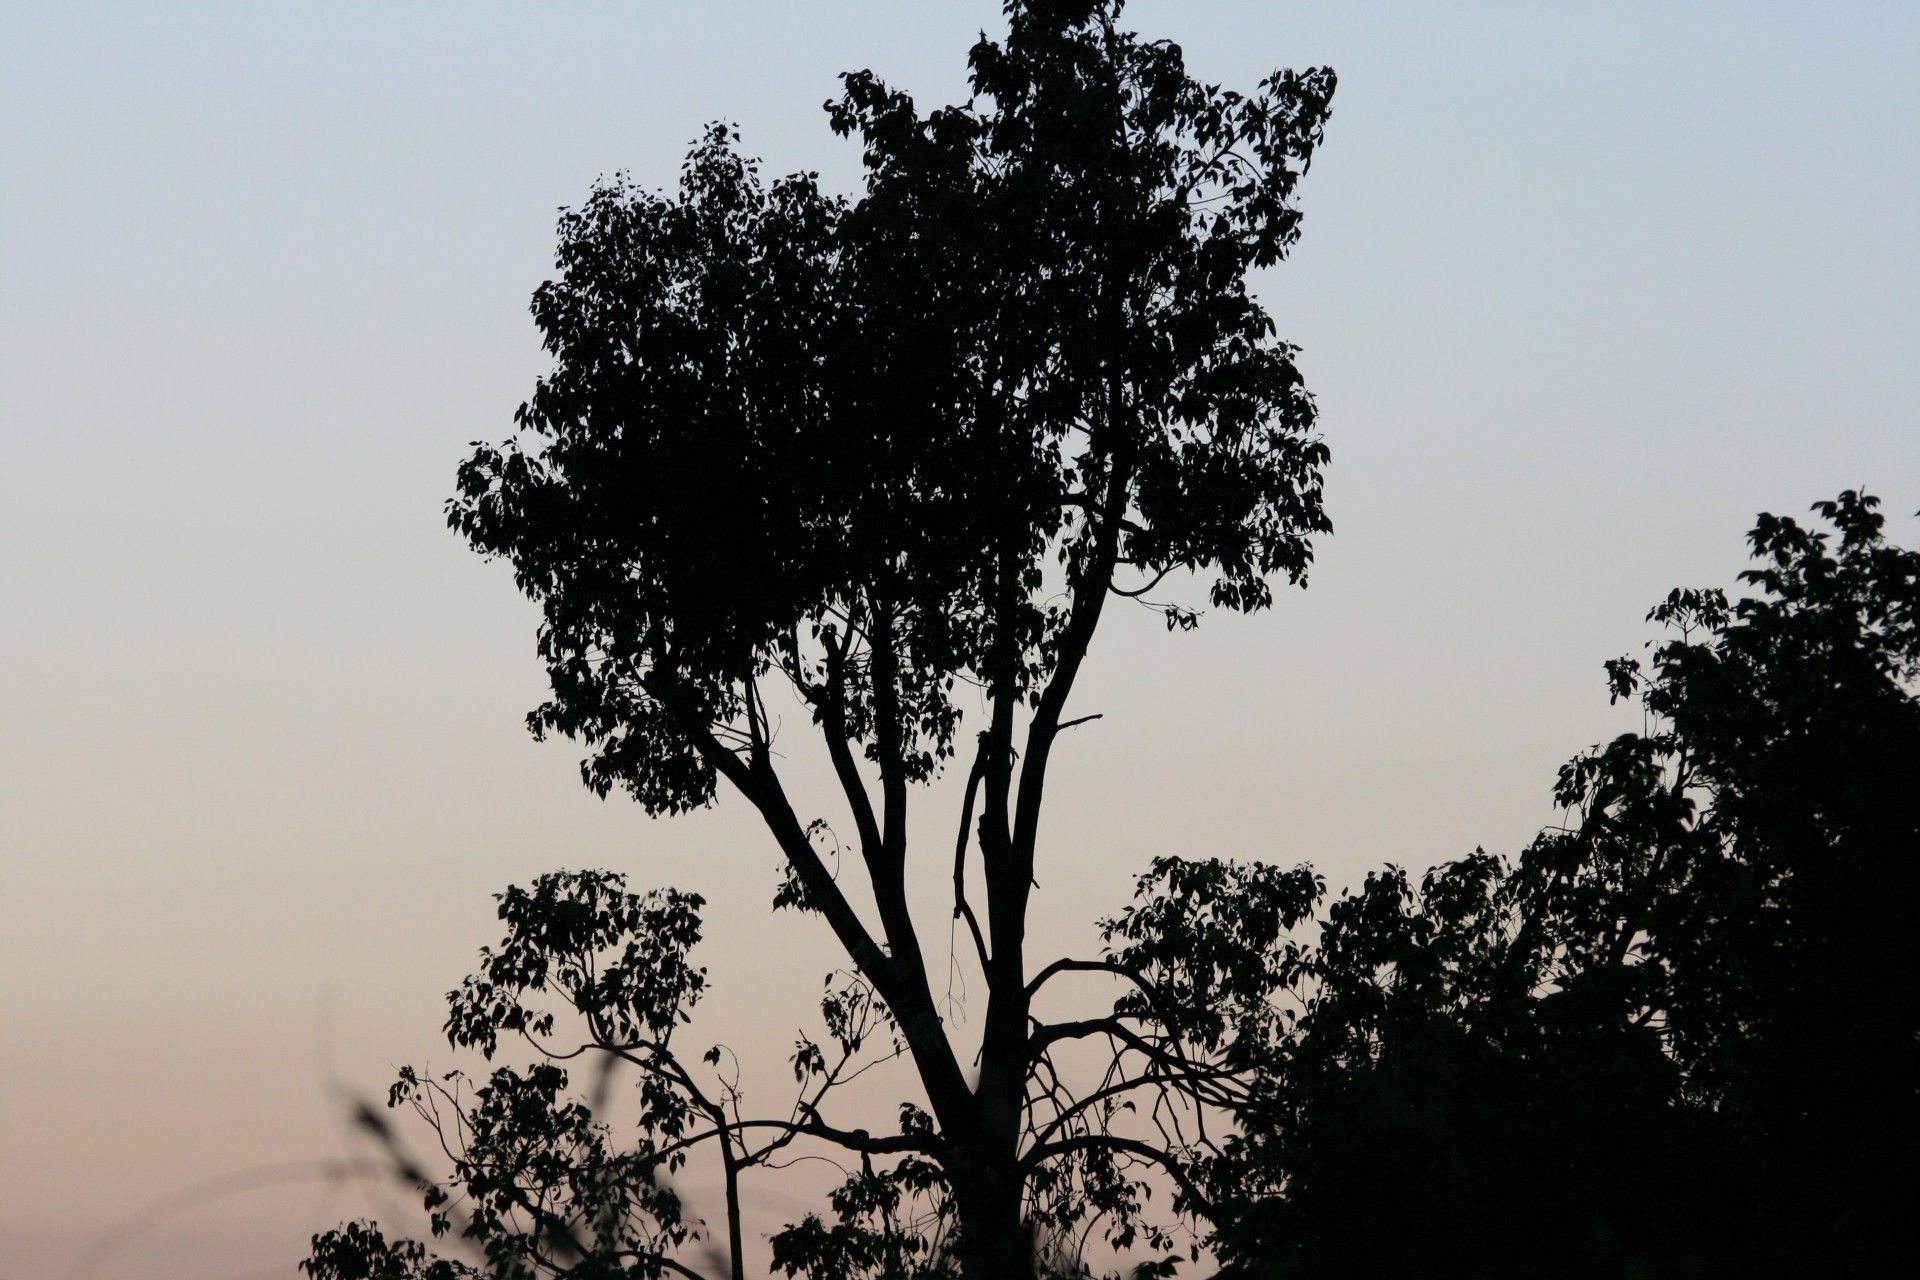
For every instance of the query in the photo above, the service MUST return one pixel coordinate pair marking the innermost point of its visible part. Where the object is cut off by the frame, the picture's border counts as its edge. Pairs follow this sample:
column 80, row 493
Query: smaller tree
column 540, row 1185
column 1678, row 1036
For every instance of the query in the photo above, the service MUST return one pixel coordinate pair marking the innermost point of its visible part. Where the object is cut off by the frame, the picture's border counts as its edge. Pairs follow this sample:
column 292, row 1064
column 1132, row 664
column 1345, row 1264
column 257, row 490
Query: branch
column 1138, row 979
column 761, row 787
column 850, row 1139
column 1079, row 1029
column 1089, row 599
column 890, row 745
column 1136, row 592
column 1086, row 504
column 759, row 738
column 1064, row 1115
column 900, row 978
column 1131, row 1146
column 961, row 908
column 834, row 722
column 1051, row 1034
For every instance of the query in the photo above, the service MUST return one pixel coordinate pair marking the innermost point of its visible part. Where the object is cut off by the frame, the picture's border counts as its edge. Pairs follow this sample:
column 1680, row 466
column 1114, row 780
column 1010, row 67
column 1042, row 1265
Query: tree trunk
column 995, row 1244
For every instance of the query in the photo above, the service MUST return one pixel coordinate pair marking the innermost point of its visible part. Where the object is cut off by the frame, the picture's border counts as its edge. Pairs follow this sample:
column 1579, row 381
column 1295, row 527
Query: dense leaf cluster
column 857, row 442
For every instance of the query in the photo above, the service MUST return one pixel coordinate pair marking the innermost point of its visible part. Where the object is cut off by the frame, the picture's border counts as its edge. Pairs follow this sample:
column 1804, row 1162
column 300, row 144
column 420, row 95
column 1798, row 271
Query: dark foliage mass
column 1676, row 1038
column 855, row 445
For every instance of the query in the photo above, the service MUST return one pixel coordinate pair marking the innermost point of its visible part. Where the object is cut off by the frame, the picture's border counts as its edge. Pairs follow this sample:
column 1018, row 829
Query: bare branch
column 961, row 908
column 1130, row 1146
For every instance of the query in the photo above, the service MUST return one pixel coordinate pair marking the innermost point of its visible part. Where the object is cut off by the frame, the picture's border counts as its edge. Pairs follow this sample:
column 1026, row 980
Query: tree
column 1679, row 1036
column 874, row 454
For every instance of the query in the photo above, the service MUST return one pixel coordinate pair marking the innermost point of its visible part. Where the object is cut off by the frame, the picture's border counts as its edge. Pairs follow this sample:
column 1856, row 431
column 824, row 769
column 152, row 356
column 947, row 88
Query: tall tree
column 876, row 451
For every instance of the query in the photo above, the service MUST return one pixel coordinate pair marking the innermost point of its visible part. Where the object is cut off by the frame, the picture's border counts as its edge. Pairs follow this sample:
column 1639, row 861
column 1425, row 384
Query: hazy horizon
column 1580, row 291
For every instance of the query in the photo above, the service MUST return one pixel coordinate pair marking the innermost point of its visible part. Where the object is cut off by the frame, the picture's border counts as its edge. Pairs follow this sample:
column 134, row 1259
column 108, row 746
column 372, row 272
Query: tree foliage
column 1676, row 1037
column 850, row 445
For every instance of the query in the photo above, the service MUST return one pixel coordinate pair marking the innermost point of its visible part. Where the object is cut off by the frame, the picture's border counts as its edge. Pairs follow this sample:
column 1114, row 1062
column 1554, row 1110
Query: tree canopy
column 1678, row 1036
column 854, row 445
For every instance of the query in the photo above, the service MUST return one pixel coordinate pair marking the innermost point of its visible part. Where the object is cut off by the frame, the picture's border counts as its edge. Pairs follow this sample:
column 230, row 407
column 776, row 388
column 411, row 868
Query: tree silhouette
column 890, row 456
column 1679, row 1036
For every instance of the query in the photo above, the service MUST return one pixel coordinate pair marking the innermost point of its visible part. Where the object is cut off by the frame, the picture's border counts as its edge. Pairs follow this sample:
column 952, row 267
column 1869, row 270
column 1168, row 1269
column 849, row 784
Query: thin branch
column 1138, row 979
column 961, row 908
column 1131, row 1146
column 1136, row 592
column 833, row 708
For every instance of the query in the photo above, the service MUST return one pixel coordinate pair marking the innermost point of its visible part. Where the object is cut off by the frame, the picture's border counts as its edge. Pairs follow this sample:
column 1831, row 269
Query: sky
column 1582, row 288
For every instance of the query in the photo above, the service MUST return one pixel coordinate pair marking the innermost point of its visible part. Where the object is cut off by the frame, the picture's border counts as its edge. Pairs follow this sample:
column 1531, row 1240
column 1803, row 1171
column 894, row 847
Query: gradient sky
column 1582, row 288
